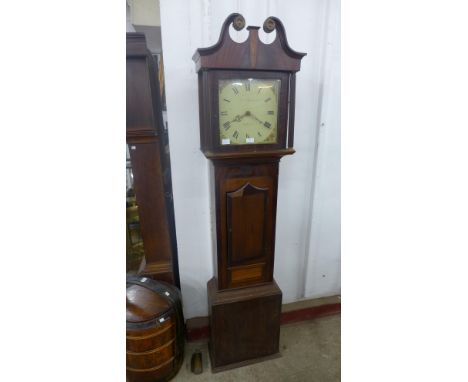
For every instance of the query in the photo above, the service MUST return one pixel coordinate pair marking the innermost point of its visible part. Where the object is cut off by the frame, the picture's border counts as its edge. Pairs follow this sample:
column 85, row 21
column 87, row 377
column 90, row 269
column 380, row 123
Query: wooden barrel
column 155, row 330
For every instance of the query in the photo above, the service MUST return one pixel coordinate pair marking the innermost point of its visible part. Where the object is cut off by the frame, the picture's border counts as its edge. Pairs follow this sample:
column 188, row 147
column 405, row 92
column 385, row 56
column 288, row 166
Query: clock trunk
column 245, row 200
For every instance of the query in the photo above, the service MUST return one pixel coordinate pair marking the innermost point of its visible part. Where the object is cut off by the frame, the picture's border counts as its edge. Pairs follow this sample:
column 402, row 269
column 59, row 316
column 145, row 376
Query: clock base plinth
column 244, row 324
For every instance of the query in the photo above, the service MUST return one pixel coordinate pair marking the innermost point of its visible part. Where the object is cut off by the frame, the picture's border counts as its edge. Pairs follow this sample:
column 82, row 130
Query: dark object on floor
column 155, row 330
column 244, row 325
column 196, row 363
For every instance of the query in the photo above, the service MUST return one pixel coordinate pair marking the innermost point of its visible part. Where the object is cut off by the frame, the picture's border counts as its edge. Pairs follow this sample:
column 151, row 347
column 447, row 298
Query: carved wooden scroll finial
column 251, row 53
column 238, row 23
column 269, row 25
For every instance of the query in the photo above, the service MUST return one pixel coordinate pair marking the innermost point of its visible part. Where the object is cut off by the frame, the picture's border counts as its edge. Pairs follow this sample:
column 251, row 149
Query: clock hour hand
column 238, row 117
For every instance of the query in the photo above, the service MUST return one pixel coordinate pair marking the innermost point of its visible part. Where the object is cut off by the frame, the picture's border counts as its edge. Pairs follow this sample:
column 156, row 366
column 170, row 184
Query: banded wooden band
column 152, row 368
column 152, row 350
column 156, row 334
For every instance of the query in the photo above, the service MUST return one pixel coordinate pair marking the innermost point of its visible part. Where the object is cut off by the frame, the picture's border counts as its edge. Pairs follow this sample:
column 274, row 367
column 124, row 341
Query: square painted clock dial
column 248, row 111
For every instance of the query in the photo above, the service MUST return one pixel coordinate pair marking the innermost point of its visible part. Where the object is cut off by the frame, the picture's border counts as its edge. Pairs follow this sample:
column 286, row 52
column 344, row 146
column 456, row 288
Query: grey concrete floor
column 310, row 352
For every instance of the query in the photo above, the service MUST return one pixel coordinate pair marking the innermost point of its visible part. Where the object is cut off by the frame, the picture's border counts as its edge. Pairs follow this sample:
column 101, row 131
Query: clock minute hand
column 254, row 117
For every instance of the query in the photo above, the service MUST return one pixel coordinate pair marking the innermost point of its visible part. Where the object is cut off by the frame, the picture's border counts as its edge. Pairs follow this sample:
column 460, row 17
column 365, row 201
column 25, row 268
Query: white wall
column 129, row 27
column 308, row 221
column 323, row 264
column 145, row 12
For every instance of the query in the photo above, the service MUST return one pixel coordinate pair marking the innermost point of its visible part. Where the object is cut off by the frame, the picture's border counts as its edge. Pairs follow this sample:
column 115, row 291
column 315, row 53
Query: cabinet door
column 246, row 226
column 246, row 223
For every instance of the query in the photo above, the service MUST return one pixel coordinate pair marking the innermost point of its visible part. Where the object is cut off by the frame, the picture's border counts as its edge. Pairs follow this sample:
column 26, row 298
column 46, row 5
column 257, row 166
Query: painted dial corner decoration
column 248, row 111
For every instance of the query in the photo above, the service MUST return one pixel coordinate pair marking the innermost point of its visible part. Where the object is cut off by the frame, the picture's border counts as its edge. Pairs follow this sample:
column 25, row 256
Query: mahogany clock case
column 244, row 301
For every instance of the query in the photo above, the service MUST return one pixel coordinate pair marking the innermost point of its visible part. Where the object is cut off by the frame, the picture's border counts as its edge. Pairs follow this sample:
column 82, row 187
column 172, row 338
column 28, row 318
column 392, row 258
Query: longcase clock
column 150, row 164
column 246, row 99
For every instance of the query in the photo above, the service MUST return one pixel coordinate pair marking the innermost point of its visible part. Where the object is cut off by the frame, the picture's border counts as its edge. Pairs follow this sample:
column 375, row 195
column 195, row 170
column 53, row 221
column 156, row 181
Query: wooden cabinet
column 150, row 163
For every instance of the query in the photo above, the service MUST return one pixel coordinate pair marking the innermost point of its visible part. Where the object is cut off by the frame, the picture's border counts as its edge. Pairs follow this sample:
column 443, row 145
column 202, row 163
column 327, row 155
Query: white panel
column 324, row 263
column 145, row 12
column 254, row 12
column 182, row 33
column 129, row 27
column 305, row 32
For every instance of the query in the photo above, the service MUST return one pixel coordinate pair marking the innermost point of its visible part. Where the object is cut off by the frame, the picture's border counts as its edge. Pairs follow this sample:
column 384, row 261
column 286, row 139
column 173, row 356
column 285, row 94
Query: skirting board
column 198, row 327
